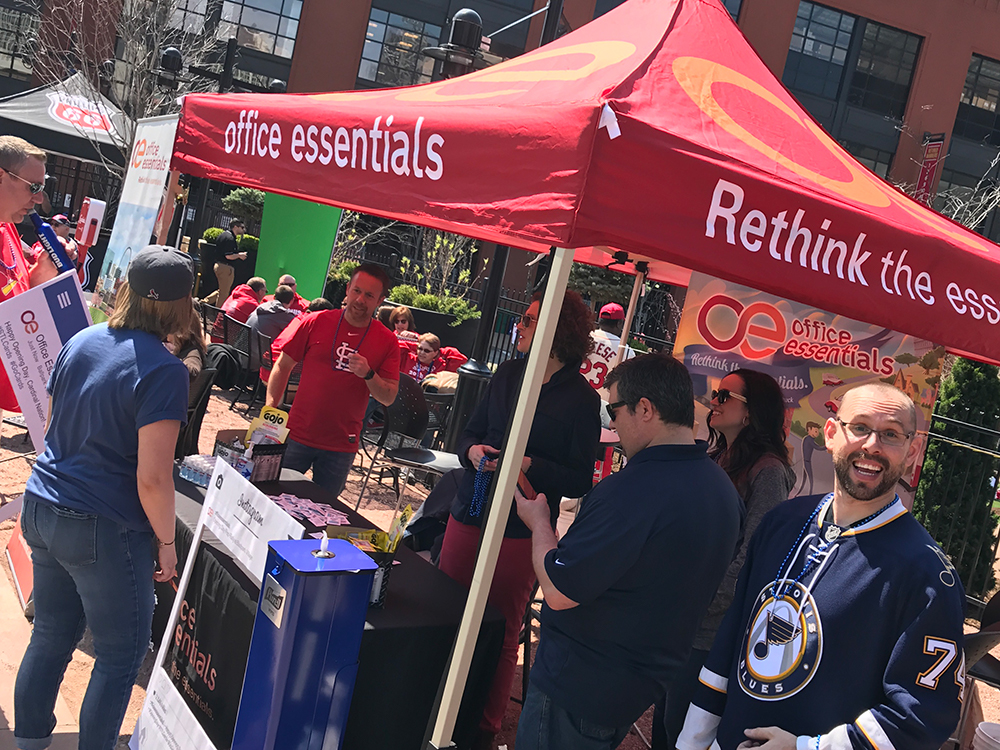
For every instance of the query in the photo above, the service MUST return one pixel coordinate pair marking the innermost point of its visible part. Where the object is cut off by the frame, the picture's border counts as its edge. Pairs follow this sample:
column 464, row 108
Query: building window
column 268, row 26
column 189, row 16
column 817, row 52
column 977, row 110
column 392, row 53
column 17, row 30
column 881, row 80
column 733, row 6
column 876, row 160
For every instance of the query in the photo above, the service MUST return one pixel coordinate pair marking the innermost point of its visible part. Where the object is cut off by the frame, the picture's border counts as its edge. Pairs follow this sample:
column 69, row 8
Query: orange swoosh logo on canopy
column 572, row 63
column 696, row 77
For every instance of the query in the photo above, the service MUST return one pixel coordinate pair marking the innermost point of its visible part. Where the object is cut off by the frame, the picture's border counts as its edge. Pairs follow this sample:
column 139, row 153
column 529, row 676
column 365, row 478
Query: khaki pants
column 224, row 273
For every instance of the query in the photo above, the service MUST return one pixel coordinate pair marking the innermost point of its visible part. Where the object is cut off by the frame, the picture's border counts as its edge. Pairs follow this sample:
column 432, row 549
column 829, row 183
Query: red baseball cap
column 612, row 311
column 59, row 219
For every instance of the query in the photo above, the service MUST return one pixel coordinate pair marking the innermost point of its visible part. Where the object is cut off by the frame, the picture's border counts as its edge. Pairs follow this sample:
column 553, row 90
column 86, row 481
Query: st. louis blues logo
column 783, row 645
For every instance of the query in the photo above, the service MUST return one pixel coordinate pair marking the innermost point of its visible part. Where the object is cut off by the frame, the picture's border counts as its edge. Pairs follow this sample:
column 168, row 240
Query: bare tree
column 117, row 49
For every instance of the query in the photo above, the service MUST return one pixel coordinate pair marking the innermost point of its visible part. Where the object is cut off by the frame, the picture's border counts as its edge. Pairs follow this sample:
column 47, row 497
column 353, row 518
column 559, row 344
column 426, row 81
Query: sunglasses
column 422, row 350
column 612, row 408
column 724, row 394
column 34, row 187
column 526, row 320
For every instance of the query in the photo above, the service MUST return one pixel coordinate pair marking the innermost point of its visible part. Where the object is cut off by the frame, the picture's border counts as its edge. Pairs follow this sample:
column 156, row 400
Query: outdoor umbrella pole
column 640, row 278
column 499, row 508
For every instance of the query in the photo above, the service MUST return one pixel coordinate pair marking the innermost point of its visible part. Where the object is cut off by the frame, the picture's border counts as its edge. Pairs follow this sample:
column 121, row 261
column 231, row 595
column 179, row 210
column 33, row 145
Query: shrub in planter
column 211, row 234
column 427, row 302
column 404, row 294
column 248, row 243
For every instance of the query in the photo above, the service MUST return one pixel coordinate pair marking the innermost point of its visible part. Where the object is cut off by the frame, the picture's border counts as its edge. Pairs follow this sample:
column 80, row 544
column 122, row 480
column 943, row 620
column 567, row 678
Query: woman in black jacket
column 559, row 462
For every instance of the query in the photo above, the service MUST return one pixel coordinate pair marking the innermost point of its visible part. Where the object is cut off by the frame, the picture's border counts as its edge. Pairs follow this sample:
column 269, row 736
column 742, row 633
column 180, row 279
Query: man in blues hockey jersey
column 846, row 628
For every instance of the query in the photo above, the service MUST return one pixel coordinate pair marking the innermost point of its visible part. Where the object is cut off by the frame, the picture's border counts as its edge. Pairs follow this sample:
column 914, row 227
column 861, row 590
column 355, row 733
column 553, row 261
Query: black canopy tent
column 70, row 119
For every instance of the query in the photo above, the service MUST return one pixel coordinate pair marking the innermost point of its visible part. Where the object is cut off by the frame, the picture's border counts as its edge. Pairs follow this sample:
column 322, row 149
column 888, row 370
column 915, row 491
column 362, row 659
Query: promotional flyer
column 815, row 356
column 142, row 194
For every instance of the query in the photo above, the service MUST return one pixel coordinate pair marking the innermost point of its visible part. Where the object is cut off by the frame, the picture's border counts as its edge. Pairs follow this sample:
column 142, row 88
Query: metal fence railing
column 956, row 497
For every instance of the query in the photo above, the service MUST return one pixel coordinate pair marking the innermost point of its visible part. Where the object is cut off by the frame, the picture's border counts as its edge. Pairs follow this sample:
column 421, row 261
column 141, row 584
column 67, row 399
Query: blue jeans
column 330, row 468
column 545, row 726
column 88, row 570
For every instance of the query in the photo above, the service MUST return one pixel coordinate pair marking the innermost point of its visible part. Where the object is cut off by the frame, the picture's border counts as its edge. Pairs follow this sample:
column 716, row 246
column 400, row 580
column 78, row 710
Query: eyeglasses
column 527, row 320
column 724, row 394
column 612, row 408
column 34, row 187
column 860, row 431
column 422, row 350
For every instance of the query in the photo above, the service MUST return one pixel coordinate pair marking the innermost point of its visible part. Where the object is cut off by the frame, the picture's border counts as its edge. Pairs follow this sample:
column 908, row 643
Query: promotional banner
column 142, row 194
column 193, row 692
column 34, row 326
column 815, row 356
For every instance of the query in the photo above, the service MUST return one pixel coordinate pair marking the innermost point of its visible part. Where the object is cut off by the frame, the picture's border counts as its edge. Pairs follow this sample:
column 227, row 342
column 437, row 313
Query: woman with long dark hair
column 747, row 439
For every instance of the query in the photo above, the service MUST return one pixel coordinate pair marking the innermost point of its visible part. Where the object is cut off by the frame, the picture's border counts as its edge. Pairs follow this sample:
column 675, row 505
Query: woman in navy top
column 559, row 461
column 98, row 508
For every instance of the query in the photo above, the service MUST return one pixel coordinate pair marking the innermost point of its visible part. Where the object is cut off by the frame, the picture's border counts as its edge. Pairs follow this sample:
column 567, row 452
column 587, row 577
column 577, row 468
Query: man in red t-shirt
column 22, row 179
column 346, row 357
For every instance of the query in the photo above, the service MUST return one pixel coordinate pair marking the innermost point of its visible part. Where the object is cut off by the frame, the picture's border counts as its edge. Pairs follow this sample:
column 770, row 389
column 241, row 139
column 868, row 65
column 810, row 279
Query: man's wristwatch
column 370, row 375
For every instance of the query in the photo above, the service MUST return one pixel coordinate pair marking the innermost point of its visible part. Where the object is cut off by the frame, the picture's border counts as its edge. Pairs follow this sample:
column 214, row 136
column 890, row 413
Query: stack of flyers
column 305, row 509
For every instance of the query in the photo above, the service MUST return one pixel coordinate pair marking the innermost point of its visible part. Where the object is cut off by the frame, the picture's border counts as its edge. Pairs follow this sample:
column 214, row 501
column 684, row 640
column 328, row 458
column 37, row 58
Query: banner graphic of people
column 814, row 355
column 142, row 194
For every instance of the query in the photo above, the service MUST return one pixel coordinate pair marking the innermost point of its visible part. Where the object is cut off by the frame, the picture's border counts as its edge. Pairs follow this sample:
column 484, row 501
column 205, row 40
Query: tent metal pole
column 640, row 279
column 503, row 497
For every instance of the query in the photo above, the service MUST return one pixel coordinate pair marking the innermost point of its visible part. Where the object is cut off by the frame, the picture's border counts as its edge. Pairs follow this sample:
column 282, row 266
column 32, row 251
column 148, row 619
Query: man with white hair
column 846, row 628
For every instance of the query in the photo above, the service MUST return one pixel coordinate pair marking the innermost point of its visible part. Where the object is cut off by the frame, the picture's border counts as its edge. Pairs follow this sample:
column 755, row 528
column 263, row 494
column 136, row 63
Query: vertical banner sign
column 138, row 208
column 815, row 356
column 194, row 690
column 34, row 326
column 933, row 151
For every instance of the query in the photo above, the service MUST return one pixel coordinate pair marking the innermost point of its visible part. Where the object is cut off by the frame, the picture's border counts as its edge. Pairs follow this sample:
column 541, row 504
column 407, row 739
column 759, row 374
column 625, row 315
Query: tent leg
column 640, row 279
column 499, row 509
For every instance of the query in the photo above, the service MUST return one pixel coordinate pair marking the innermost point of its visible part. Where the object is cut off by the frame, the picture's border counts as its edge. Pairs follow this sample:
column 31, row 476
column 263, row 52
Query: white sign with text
column 34, row 327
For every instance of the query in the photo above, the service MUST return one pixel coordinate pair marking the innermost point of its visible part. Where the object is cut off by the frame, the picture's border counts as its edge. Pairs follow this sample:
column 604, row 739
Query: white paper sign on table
column 245, row 519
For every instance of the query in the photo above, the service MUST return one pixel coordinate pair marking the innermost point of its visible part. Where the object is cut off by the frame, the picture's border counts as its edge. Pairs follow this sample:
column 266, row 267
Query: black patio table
column 404, row 649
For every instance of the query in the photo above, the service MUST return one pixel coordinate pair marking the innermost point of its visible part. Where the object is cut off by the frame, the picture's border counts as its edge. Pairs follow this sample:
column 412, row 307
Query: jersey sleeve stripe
column 869, row 725
column 699, row 730
column 712, row 680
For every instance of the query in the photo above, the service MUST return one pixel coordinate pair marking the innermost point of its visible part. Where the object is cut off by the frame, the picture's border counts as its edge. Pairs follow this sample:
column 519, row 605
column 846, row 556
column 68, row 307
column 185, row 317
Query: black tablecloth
column 404, row 649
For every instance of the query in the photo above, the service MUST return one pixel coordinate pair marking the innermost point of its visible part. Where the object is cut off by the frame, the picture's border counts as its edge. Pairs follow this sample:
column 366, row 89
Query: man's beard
column 890, row 475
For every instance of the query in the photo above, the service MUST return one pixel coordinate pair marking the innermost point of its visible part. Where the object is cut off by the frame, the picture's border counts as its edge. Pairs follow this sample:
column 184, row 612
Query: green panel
column 296, row 237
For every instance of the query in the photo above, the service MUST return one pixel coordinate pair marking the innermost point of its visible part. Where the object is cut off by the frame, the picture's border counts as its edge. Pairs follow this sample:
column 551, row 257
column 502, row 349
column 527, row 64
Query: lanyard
column 336, row 334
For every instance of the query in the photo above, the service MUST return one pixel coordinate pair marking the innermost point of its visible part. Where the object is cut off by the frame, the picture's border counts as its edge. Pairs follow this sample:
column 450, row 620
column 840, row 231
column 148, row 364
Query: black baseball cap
column 162, row 273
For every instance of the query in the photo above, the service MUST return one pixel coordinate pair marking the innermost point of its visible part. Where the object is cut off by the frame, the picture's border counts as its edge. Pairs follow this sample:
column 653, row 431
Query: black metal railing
column 956, row 497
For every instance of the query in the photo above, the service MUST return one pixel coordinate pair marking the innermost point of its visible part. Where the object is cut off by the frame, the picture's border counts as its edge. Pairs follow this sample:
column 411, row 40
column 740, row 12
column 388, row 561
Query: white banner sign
column 244, row 520
column 142, row 193
column 34, row 326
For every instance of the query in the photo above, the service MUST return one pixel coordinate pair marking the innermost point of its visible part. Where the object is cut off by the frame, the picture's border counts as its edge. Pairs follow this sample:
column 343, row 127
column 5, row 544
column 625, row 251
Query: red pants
column 512, row 583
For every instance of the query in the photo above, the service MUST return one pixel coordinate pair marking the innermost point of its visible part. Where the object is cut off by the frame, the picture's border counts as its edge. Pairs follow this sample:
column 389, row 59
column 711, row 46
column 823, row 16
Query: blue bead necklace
column 778, row 593
column 480, row 487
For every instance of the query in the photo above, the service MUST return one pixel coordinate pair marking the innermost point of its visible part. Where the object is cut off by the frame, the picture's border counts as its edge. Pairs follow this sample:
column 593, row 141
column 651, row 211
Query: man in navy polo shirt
column 627, row 585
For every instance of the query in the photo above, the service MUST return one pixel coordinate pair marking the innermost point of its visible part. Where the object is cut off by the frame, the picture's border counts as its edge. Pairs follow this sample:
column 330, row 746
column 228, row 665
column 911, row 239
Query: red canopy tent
column 655, row 129
column 715, row 167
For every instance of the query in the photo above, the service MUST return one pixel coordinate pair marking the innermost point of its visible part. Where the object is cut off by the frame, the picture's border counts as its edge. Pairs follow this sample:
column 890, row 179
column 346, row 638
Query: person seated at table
column 270, row 319
column 431, row 357
column 98, row 508
column 320, row 303
column 189, row 346
column 401, row 323
column 241, row 303
column 316, row 305
column 558, row 461
column 298, row 303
